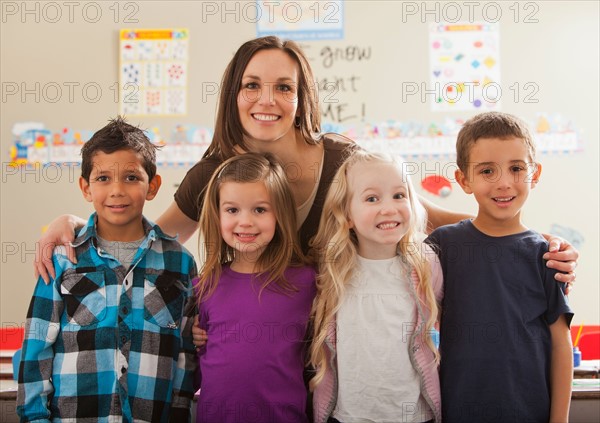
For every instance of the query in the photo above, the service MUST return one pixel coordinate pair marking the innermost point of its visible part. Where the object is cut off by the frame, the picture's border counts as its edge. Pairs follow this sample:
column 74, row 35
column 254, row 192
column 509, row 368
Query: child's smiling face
column 379, row 210
column 500, row 175
column 118, row 187
column 247, row 221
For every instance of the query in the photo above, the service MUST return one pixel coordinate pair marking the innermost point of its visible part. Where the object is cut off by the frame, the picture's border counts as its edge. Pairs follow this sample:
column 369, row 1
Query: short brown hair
column 490, row 125
column 119, row 135
column 229, row 131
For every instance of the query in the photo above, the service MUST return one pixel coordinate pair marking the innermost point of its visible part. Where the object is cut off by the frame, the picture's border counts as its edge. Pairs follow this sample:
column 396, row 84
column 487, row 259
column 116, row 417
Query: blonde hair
column 335, row 248
column 283, row 250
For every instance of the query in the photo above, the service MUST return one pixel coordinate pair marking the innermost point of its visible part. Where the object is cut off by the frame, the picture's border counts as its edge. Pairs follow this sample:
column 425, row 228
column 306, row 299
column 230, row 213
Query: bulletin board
column 373, row 72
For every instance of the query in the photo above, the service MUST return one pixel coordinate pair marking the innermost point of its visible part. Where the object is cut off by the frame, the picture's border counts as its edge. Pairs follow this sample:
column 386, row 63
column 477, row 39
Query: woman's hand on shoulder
column 61, row 231
column 199, row 335
column 562, row 256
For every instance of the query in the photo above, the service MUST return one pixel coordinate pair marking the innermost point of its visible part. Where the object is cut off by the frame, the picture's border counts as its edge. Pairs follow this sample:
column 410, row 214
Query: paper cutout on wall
column 438, row 139
column 300, row 20
column 464, row 66
column 573, row 236
column 153, row 62
column 437, row 185
column 34, row 145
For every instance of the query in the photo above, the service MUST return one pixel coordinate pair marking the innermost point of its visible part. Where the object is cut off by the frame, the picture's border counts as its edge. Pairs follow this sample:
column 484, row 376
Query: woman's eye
column 251, row 86
column 284, row 88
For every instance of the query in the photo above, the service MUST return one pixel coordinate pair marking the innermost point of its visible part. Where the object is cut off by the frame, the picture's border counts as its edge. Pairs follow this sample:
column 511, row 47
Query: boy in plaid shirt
column 109, row 339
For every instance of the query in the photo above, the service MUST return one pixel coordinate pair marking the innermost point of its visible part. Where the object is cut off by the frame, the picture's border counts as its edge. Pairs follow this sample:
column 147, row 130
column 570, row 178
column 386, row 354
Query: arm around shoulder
column 175, row 222
column 61, row 231
column 438, row 216
column 561, row 256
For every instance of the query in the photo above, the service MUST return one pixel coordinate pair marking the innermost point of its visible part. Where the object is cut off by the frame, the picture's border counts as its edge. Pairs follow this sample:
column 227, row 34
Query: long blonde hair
column 335, row 249
column 283, row 250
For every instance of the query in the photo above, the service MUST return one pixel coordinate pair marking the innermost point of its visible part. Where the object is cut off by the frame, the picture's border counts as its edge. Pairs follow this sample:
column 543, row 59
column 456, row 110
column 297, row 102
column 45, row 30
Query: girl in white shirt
column 377, row 300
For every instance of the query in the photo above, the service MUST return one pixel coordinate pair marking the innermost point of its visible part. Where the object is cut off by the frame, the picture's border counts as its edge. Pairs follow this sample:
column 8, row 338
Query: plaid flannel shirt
column 105, row 343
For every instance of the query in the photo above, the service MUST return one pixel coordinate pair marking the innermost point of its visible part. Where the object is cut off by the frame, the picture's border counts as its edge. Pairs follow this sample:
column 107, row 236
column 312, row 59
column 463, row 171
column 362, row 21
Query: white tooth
column 265, row 117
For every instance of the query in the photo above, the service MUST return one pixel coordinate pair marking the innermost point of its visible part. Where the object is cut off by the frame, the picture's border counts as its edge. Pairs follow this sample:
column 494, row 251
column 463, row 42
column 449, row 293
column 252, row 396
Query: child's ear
column 349, row 220
column 85, row 189
column 153, row 187
column 535, row 177
column 463, row 180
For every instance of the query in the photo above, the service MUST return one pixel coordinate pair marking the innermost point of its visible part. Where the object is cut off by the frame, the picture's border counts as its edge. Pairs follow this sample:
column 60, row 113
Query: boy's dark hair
column 490, row 125
column 119, row 135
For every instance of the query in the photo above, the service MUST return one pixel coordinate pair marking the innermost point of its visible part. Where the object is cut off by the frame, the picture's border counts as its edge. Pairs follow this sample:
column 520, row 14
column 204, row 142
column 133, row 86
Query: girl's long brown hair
column 229, row 131
column 283, row 250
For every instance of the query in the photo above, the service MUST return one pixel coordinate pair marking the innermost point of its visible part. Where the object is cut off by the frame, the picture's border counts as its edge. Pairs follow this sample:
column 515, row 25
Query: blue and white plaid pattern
column 104, row 343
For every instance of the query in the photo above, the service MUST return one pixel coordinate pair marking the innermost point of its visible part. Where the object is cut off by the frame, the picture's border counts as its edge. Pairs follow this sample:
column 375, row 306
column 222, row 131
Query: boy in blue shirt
column 505, row 341
column 109, row 339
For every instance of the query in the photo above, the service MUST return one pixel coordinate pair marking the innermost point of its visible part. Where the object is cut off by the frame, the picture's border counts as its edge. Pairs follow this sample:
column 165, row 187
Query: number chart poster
column 153, row 71
column 299, row 20
column 464, row 64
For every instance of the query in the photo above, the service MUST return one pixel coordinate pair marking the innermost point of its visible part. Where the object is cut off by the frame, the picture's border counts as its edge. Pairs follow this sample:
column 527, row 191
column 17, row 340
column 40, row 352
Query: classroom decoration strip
column 464, row 66
column 153, row 69
column 298, row 20
column 553, row 134
column 35, row 145
column 186, row 143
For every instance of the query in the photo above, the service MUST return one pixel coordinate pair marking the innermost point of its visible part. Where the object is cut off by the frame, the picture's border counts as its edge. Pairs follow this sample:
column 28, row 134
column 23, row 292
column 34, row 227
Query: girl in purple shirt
column 255, row 293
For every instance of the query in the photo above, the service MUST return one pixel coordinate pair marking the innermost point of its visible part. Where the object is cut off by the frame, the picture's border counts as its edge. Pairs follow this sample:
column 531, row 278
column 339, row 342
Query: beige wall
column 559, row 53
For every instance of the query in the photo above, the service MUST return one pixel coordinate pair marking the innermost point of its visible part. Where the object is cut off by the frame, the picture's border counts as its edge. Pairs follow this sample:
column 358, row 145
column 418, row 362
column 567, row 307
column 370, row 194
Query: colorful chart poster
column 464, row 67
column 153, row 71
column 299, row 20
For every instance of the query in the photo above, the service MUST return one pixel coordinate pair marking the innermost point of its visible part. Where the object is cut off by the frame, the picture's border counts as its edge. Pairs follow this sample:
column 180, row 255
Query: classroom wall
column 559, row 53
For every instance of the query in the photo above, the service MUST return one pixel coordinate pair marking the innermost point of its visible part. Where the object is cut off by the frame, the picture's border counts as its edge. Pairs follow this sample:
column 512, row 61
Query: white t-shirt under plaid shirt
column 108, row 343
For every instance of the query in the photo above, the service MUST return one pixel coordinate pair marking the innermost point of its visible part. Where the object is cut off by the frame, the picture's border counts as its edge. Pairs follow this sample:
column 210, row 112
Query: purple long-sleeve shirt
column 252, row 365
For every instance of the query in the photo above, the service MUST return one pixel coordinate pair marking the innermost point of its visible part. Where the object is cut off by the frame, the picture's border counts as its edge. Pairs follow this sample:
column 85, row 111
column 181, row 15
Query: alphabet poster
column 464, row 64
column 153, row 71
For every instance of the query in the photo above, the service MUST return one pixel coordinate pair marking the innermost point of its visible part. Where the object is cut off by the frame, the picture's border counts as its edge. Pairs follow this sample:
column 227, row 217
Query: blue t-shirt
column 495, row 344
